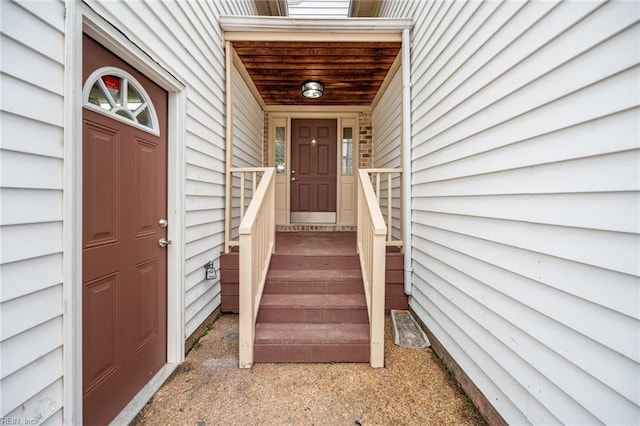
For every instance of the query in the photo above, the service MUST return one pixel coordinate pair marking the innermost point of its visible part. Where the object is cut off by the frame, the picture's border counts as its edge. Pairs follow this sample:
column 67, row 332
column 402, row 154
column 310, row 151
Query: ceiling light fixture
column 312, row 89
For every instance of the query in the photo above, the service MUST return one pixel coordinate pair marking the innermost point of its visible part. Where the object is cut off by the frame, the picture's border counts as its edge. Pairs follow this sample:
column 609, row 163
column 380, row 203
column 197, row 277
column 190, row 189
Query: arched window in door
column 116, row 93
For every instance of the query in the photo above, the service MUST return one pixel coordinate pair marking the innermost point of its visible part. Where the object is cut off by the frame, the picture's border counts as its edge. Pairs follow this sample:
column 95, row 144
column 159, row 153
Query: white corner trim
column 72, row 204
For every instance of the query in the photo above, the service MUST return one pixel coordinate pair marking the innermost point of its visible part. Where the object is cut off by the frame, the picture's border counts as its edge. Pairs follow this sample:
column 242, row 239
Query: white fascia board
column 235, row 27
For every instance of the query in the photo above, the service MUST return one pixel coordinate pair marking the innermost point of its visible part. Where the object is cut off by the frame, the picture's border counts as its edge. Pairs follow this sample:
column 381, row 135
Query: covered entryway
column 124, row 274
column 313, row 170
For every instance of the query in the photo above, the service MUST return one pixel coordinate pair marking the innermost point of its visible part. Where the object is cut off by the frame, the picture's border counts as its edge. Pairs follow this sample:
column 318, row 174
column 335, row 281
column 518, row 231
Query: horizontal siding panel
column 387, row 126
column 248, row 119
column 27, row 65
column 479, row 33
column 45, row 407
column 30, row 276
column 47, row 109
column 613, row 172
column 203, row 231
column 203, row 245
column 617, row 252
column 204, row 188
column 27, row 347
column 18, row 206
column 199, row 217
column 540, row 312
column 618, row 212
column 199, row 159
column 42, row 306
column 526, row 202
column 31, row 198
column 196, row 262
column 465, row 342
column 21, row 170
column 196, row 202
column 27, row 241
column 469, row 35
column 22, row 134
column 597, row 285
column 515, row 64
column 198, row 311
column 607, row 96
column 55, row 419
column 201, row 139
column 498, row 149
column 194, row 293
column 316, row 8
column 515, row 352
column 30, row 381
column 51, row 13
column 205, row 174
column 42, row 37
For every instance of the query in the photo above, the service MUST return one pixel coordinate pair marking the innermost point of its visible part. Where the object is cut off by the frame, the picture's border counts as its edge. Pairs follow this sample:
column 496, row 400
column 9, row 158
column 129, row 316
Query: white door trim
column 81, row 18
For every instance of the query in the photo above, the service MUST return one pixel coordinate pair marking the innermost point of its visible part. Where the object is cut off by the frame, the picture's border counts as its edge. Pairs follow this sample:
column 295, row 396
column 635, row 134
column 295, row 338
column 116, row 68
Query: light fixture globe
column 312, row 89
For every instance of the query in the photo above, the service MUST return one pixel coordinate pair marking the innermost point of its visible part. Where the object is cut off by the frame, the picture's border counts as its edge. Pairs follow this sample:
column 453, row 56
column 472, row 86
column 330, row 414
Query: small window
column 347, row 150
column 116, row 93
column 280, row 149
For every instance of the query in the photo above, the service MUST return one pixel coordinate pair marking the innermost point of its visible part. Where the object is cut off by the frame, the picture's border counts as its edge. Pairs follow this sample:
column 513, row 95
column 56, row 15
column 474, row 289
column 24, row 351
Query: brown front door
column 313, row 170
column 124, row 270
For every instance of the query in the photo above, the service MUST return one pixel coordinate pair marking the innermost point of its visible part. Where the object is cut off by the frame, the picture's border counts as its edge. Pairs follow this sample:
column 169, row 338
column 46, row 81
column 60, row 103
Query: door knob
column 293, row 178
column 163, row 223
column 163, row 242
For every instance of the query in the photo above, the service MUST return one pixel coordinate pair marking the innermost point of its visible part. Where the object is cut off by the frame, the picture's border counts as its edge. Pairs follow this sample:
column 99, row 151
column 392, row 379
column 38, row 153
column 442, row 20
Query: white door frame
column 80, row 19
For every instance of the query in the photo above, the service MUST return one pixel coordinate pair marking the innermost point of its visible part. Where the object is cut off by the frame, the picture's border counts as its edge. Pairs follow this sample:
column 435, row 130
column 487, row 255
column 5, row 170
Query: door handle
column 163, row 242
column 293, row 178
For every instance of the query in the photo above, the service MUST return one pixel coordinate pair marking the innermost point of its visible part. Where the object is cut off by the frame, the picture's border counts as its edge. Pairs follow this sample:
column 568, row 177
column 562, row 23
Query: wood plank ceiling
column 351, row 72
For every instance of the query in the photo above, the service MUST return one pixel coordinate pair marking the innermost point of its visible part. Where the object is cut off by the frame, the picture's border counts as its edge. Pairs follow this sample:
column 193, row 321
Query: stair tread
column 314, row 275
column 313, row 301
column 311, row 334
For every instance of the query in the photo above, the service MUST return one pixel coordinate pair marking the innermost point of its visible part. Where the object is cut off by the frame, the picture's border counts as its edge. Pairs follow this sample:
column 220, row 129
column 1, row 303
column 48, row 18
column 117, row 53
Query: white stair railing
column 257, row 243
column 371, row 236
column 389, row 198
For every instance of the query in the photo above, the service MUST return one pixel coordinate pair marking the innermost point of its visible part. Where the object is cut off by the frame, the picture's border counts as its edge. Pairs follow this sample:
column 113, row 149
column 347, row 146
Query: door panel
column 124, row 270
column 313, row 169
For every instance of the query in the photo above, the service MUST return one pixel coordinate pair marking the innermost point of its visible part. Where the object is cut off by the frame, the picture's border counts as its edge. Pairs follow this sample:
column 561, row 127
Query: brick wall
column 366, row 141
column 265, row 141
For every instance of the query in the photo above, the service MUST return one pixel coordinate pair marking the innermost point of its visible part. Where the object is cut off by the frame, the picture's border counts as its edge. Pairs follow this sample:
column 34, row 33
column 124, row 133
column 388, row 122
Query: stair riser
column 314, row 262
column 312, row 353
column 313, row 315
column 313, row 287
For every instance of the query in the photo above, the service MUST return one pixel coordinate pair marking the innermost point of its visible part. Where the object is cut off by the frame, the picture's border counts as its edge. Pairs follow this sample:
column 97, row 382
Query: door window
column 116, row 93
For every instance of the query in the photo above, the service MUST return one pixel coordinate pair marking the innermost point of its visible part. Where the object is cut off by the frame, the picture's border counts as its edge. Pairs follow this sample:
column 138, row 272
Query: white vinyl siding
column 316, row 8
column 248, row 128
column 525, row 201
column 31, row 193
column 184, row 38
column 387, row 147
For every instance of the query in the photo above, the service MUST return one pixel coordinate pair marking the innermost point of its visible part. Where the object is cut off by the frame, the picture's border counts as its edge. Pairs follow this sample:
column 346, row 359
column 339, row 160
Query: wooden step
column 313, row 308
column 314, row 281
column 295, row 342
column 302, row 262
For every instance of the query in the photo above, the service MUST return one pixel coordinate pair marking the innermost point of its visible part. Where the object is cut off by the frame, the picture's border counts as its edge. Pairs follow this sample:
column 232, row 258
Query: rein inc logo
column 17, row 421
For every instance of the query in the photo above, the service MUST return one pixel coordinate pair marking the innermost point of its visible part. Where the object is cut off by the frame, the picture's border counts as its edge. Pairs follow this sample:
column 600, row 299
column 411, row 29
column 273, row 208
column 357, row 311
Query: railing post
column 371, row 243
column 257, row 243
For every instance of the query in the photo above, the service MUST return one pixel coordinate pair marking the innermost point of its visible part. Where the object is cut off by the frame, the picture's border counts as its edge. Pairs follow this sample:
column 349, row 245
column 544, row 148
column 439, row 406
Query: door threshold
column 131, row 410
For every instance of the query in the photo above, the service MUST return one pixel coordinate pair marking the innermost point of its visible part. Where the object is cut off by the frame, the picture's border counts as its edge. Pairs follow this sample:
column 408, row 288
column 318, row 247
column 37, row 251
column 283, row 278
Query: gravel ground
column 209, row 389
